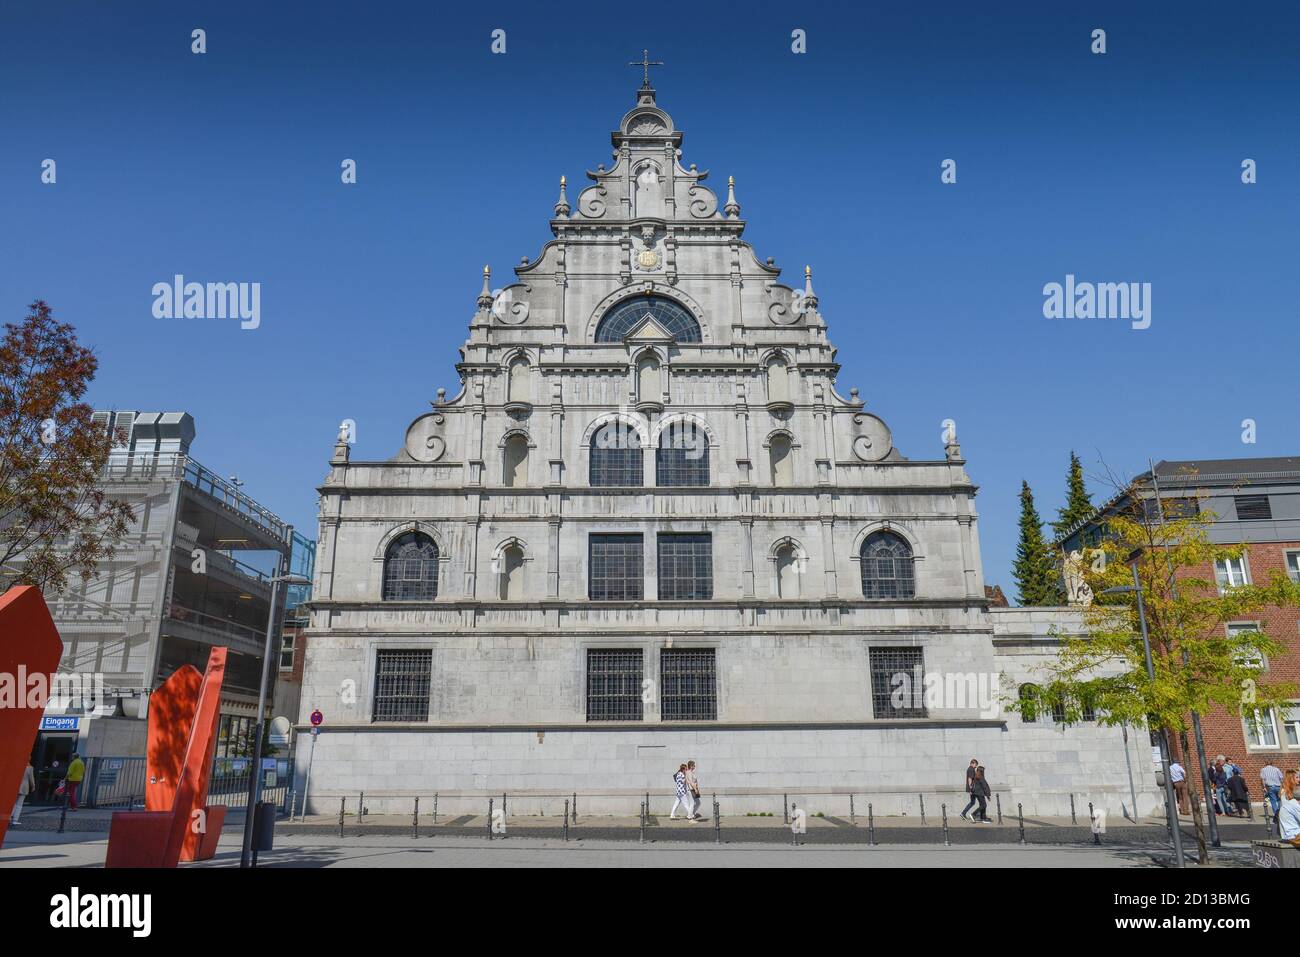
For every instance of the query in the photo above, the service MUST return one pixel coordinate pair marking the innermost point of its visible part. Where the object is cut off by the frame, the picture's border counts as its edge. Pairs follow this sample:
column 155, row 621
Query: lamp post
column 1171, row 806
column 255, row 772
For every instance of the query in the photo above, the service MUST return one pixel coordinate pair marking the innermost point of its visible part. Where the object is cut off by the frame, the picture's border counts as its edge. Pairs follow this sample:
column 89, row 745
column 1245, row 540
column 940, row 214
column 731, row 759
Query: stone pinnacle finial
column 485, row 297
column 809, row 296
column 562, row 204
column 732, row 209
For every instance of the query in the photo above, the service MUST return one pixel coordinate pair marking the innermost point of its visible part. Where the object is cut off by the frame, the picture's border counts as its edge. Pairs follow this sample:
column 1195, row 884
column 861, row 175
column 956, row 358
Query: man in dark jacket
column 970, row 789
column 1239, row 793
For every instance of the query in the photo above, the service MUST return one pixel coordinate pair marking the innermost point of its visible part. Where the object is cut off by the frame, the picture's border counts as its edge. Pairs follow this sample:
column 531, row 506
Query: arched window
column 616, row 458
column 515, row 462
column 648, row 388
column 787, row 572
column 887, row 570
column 1029, row 705
column 778, row 380
column 411, row 568
column 521, row 381
column 512, row 572
column 782, row 454
column 683, row 455
column 674, row 318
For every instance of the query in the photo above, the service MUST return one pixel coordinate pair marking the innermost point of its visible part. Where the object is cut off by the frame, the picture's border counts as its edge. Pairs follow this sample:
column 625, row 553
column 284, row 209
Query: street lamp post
column 1171, row 806
column 255, row 772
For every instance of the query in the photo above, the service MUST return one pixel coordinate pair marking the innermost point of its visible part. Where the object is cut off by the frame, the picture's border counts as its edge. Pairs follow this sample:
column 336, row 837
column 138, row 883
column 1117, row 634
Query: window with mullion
column 688, row 683
column 616, row 568
column 685, row 566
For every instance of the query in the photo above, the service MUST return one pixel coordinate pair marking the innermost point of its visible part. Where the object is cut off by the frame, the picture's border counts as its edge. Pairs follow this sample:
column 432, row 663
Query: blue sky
column 1124, row 167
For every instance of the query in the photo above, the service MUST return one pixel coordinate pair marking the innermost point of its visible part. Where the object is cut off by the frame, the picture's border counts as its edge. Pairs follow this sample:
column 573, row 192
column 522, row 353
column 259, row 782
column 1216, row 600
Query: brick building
column 1257, row 504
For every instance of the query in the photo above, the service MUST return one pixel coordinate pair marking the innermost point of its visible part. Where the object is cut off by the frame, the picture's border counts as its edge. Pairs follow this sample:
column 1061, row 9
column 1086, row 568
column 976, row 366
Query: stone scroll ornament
column 787, row 306
column 704, row 202
column 506, row 308
column 591, row 203
column 873, row 440
column 424, row 443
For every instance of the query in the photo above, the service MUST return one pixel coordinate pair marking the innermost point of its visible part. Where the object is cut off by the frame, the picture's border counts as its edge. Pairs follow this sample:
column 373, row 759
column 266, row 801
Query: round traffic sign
column 317, row 717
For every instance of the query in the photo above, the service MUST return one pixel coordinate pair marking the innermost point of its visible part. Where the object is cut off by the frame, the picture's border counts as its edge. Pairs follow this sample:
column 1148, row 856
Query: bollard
column 647, row 803
column 1092, row 816
column 944, row 810
column 786, row 813
column 922, row 797
column 63, row 811
column 871, row 825
column 566, row 819
column 853, row 818
column 361, row 806
column 717, row 821
column 794, row 837
column 1020, row 814
column 435, row 808
column 342, row 806
column 1250, row 810
column 415, row 820
column 575, row 807
column 1073, row 819
column 503, row 806
column 998, row 798
column 643, row 823
column 490, row 802
column 293, row 805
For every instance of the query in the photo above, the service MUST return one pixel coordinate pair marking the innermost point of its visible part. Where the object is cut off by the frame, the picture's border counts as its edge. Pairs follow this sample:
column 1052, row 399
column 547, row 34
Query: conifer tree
column 1037, row 580
column 1078, row 505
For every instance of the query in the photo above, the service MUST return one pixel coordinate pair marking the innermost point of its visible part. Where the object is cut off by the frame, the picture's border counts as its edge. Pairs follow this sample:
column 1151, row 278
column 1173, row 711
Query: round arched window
column 673, row 317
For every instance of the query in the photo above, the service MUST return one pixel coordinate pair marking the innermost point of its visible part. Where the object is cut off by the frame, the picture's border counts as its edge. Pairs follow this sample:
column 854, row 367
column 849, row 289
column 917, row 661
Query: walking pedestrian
column 970, row 789
column 679, row 782
column 25, row 787
column 72, row 781
column 1239, row 793
column 1219, row 776
column 1288, row 817
column 692, row 791
column 1271, row 777
column 982, row 793
column 1179, row 777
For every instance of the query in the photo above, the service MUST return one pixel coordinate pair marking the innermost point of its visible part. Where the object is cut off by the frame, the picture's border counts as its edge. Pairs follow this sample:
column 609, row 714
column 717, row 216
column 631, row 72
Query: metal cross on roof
column 646, row 63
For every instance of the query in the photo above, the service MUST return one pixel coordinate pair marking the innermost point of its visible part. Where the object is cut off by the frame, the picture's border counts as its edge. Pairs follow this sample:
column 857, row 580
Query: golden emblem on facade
column 647, row 259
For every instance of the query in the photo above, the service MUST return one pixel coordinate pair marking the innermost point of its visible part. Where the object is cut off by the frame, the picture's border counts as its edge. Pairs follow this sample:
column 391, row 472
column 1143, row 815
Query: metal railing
column 153, row 465
column 119, row 782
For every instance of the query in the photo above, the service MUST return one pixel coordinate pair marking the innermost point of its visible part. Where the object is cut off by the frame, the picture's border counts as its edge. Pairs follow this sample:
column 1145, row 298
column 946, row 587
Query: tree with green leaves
column 54, row 519
column 1038, row 581
column 1199, row 666
column 1078, row 504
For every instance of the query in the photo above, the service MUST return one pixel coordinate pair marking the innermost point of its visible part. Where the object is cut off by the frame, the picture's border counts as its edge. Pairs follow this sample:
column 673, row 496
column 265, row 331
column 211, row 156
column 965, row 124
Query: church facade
column 649, row 528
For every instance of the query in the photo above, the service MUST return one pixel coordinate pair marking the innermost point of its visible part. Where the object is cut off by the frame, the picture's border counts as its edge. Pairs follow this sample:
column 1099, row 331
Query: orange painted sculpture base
column 29, row 646
column 180, row 756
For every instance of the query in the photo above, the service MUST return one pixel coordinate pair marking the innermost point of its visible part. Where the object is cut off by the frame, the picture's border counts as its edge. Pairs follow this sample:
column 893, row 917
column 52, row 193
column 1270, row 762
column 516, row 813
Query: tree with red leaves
column 54, row 520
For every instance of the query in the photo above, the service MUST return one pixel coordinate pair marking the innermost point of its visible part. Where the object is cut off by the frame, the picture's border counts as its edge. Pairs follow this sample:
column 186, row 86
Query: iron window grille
column 688, row 684
column 616, row 567
column 616, row 457
column 898, row 682
column 1252, row 508
column 402, row 680
column 685, row 566
column 675, row 319
column 614, row 679
column 887, row 567
column 411, row 568
column 682, row 457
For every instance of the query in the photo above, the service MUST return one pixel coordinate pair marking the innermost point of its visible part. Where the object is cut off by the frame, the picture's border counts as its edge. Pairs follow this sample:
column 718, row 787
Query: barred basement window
column 683, row 456
column 402, row 685
column 616, row 457
column 616, row 568
column 887, row 567
column 1253, row 508
column 897, row 682
column 411, row 568
column 614, row 685
column 685, row 566
column 688, row 684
